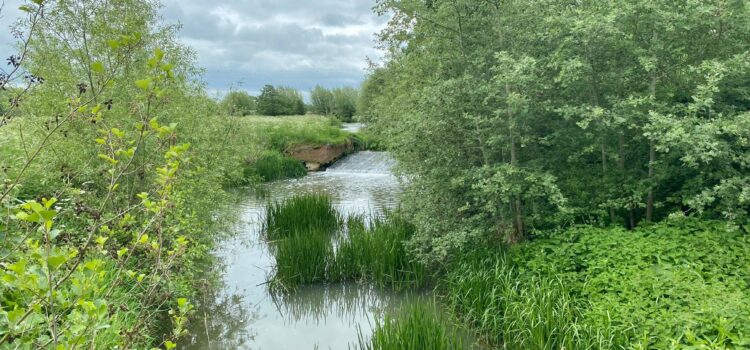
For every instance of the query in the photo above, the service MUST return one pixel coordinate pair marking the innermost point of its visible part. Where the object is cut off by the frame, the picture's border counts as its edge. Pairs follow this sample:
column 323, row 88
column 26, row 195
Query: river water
column 244, row 315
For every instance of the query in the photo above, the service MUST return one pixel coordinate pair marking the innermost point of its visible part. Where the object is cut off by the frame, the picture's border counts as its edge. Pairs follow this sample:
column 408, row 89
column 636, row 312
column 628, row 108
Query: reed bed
column 418, row 327
column 301, row 229
column 272, row 166
column 376, row 253
column 302, row 258
column 522, row 312
column 301, row 215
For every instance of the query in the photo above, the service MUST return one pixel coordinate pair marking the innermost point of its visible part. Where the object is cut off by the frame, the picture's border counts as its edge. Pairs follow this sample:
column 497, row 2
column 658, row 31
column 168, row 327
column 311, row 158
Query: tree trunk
column 651, row 161
column 517, row 202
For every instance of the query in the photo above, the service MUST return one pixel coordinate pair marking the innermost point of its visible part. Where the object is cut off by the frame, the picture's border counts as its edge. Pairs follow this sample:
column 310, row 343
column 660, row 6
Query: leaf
column 26, row 8
column 170, row 345
column 143, row 84
column 56, row 261
column 14, row 316
column 97, row 67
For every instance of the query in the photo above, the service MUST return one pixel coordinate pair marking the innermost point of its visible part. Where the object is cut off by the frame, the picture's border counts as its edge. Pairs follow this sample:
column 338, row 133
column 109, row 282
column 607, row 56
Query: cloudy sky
column 298, row 43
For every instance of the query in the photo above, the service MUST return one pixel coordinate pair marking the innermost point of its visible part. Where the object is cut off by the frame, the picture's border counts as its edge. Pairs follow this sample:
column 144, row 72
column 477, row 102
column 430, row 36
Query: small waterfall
column 365, row 162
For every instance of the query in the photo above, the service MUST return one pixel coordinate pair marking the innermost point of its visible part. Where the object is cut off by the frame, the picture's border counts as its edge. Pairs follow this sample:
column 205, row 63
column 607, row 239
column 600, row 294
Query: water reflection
column 244, row 315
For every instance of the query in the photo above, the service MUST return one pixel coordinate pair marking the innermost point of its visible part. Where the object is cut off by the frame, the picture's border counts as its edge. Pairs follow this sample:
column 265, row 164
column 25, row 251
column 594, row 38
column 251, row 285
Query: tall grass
column 376, row 253
column 418, row 327
column 272, row 166
column 302, row 258
column 301, row 214
column 521, row 312
column 301, row 233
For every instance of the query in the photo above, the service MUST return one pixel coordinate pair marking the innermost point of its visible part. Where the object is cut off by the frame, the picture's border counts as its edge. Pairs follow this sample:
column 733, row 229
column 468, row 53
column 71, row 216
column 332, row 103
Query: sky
column 246, row 44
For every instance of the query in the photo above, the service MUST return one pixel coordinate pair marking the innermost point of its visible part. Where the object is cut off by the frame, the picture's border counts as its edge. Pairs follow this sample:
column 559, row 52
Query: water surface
column 244, row 315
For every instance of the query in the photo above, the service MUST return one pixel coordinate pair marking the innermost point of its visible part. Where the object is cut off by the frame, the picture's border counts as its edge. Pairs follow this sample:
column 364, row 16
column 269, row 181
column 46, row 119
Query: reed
column 302, row 258
column 376, row 253
column 522, row 312
column 418, row 327
column 272, row 166
column 301, row 214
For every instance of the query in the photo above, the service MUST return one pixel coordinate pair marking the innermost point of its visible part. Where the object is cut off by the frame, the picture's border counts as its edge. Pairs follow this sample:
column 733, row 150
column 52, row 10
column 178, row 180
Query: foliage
column 620, row 113
column 272, row 166
column 678, row 285
column 275, row 101
column 522, row 312
column 111, row 180
column 416, row 327
column 238, row 103
column 339, row 102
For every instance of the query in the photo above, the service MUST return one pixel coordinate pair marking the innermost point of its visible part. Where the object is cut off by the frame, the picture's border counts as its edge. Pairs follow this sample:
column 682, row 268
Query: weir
column 365, row 162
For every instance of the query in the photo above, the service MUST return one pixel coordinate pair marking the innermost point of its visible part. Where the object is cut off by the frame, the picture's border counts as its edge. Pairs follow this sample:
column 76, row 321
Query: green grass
column 248, row 140
column 302, row 258
column 272, row 166
column 281, row 133
column 306, row 251
column 418, row 327
column 300, row 215
column 376, row 253
column 535, row 313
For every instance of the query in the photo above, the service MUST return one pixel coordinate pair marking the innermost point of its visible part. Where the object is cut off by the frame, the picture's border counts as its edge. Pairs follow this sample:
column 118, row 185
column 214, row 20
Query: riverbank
column 126, row 230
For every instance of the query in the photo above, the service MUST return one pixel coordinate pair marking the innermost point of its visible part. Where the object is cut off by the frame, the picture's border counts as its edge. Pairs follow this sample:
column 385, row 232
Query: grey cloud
column 295, row 43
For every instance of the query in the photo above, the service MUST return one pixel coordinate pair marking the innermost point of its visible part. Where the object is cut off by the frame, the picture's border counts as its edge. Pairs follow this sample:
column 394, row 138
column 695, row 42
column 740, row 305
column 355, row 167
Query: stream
column 242, row 314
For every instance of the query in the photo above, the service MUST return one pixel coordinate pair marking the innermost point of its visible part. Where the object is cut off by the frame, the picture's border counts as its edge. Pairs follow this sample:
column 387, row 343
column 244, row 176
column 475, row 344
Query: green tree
column 238, row 103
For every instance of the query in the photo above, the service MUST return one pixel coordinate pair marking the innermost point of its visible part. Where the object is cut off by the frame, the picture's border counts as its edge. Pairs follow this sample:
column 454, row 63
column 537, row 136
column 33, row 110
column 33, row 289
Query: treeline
column 339, row 102
column 275, row 101
column 272, row 101
column 514, row 116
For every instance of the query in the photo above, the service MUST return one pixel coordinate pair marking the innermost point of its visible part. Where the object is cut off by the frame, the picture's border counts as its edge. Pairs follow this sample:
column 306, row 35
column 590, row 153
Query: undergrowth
column 417, row 327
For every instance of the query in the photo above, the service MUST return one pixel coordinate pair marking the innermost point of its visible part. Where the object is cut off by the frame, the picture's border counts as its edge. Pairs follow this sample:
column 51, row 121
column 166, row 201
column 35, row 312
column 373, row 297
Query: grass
column 306, row 250
column 280, row 133
column 302, row 258
column 300, row 215
column 272, row 166
column 376, row 253
column 535, row 313
column 418, row 327
column 248, row 142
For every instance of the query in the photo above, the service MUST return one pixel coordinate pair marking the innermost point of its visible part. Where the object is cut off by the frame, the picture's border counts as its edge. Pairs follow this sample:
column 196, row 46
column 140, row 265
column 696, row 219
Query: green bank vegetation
column 415, row 327
column 113, row 175
column 516, row 121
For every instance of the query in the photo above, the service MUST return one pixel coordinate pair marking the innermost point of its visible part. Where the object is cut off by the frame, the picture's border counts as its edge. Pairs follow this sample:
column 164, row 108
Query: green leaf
column 14, row 316
column 143, row 84
column 26, row 8
column 97, row 67
column 56, row 261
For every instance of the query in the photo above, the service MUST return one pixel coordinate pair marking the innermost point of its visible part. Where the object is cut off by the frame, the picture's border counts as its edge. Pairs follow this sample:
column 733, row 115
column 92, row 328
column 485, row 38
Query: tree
column 238, row 103
column 269, row 101
column 619, row 112
column 322, row 100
